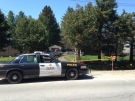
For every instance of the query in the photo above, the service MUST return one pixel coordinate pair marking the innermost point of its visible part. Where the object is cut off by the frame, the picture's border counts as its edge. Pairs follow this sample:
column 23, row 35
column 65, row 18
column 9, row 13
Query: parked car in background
column 57, row 52
column 50, row 52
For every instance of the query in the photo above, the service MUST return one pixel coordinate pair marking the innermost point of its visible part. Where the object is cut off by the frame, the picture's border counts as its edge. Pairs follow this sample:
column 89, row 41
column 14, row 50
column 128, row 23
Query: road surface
column 97, row 86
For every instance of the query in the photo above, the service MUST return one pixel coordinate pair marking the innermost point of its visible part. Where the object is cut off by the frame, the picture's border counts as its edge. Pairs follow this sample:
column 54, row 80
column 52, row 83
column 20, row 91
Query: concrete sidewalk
column 116, row 74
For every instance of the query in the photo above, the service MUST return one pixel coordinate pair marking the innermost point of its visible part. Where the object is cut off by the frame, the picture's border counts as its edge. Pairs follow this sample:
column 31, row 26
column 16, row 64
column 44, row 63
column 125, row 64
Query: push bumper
column 84, row 71
column 3, row 74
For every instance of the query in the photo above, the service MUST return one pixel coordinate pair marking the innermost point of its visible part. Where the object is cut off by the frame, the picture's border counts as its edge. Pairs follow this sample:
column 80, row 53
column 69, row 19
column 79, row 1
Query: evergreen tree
column 3, row 31
column 11, row 19
column 52, row 28
column 79, row 27
column 11, row 23
column 106, row 16
column 63, row 34
column 37, row 36
column 20, row 16
column 30, row 35
column 126, row 32
column 21, row 34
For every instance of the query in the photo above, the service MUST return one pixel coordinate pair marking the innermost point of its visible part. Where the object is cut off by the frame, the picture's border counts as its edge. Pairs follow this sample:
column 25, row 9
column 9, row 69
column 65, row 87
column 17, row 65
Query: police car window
column 54, row 59
column 29, row 59
column 45, row 58
column 17, row 59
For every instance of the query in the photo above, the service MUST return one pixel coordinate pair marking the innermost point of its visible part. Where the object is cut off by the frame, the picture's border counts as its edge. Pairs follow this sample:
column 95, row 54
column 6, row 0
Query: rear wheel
column 14, row 77
column 72, row 74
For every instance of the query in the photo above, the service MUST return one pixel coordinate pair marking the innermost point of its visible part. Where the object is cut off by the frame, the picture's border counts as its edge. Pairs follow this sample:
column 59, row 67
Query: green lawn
column 71, row 57
column 6, row 59
column 95, row 57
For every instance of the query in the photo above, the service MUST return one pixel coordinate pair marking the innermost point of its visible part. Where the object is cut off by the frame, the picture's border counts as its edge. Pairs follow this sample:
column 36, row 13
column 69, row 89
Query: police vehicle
column 34, row 65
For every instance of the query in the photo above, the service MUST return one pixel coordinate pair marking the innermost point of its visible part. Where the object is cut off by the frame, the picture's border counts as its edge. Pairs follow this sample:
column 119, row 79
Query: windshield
column 48, row 51
column 17, row 59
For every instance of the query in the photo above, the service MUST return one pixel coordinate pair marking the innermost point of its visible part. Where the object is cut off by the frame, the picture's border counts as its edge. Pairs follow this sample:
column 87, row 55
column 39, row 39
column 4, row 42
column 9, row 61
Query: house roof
column 55, row 46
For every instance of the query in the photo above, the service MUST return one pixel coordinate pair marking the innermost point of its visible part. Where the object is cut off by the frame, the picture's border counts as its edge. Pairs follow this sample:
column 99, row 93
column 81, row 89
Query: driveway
column 61, row 58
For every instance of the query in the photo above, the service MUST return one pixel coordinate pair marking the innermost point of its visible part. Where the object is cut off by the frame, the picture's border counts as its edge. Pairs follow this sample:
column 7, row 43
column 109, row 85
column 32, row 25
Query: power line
column 119, row 4
column 126, row 4
column 83, row 0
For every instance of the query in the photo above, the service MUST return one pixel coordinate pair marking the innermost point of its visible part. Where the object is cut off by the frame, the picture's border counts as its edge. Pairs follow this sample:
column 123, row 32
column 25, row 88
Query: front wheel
column 72, row 74
column 14, row 77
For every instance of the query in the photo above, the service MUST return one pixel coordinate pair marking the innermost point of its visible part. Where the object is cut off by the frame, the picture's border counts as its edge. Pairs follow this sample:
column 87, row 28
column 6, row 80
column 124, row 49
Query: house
column 126, row 49
column 54, row 47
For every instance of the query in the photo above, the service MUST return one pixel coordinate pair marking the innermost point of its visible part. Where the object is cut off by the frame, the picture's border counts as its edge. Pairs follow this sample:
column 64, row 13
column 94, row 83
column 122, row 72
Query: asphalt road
column 91, row 87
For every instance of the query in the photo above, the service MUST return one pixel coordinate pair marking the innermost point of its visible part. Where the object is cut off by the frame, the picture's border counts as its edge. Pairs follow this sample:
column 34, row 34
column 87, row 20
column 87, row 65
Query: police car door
column 48, row 67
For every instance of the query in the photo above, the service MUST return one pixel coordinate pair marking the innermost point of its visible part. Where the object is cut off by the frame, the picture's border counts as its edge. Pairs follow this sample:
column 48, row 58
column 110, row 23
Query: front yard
column 103, row 58
column 92, row 62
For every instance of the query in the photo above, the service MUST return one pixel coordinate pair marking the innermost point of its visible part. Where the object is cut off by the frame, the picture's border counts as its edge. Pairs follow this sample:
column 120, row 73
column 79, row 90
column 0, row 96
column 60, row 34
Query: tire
column 14, row 77
column 72, row 74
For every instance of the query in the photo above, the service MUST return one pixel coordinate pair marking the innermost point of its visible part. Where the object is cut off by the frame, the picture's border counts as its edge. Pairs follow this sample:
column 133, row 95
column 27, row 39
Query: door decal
column 50, row 69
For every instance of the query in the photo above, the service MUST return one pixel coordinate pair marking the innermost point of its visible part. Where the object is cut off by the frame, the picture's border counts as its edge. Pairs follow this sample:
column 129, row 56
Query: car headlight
column 1, row 66
column 83, row 67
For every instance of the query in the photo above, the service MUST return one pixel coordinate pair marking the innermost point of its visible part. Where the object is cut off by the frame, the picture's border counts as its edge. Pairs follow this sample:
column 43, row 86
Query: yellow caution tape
column 109, row 57
column 87, row 60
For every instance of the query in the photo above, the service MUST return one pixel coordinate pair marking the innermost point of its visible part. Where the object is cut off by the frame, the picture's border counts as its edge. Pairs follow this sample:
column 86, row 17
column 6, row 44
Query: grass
column 6, row 59
column 71, row 57
column 95, row 57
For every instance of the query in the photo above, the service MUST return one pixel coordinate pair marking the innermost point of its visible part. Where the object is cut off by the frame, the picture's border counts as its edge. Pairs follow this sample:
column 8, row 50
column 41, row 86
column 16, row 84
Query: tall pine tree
column 3, row 31
column 52, row 28
column 79, row 27
column 11, row 24
column 106, row 16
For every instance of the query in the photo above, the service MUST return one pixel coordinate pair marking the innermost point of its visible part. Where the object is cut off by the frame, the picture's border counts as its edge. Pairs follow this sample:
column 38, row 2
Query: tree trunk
column 99, row 54
column 100, row 41
column 116, row 49
column 77, row 54
column 131, row 51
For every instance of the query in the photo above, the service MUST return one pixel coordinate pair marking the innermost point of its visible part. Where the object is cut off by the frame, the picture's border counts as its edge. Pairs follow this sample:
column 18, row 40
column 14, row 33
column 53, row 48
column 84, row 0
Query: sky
column 59, row 7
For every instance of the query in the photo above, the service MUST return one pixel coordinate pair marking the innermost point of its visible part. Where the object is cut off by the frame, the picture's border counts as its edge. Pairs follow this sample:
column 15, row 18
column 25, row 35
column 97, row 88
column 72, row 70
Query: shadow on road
column 48, row 79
